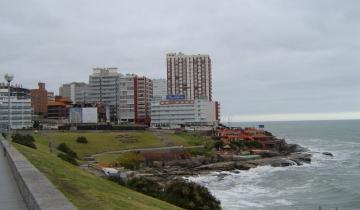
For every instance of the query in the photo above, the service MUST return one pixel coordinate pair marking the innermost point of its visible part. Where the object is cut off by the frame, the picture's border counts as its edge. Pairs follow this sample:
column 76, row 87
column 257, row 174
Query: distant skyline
column 271, row 59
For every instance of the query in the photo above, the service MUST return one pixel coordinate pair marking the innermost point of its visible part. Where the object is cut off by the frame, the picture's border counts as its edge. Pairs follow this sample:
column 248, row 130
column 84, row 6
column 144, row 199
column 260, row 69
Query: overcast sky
column 271, row 59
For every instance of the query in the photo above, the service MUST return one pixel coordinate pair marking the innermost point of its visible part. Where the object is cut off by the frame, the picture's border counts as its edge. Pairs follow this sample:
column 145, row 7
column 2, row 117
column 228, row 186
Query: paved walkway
column 10, row 198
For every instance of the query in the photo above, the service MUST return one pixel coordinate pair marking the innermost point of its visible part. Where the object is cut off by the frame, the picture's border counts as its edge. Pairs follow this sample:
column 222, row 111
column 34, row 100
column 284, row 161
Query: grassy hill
column 84, row 190
column 99, row 141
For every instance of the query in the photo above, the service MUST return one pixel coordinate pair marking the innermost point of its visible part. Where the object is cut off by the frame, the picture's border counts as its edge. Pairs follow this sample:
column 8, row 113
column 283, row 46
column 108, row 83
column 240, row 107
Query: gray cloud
column 268, row 57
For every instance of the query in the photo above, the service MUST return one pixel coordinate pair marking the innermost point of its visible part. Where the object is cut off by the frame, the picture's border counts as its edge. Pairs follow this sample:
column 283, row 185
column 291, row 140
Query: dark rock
column 292, row 148
column 223, row 166
column 301, row 157
column 243, row 166
column 281, row 162
column 188, row 163
column 298, row 162
column 328, row 154
column 275, row 162
column 267, row 154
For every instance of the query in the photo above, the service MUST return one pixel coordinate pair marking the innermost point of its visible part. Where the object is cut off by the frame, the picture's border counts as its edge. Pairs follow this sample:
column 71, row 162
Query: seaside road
column 148, row 149
column 10, row 198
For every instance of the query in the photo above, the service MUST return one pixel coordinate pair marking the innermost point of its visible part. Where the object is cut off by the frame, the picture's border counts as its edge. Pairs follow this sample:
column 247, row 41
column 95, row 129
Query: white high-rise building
column 76, row 91
column 189, row 75
column 21, row 111
column 159, row 89
column 104, row 88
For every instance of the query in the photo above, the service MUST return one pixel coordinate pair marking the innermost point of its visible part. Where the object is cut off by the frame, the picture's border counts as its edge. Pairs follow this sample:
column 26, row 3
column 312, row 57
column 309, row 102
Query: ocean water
column 326, row 183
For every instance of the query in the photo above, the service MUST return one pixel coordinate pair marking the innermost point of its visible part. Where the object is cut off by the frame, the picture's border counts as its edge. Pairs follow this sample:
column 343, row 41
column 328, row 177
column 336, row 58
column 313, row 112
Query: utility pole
column 9, row 78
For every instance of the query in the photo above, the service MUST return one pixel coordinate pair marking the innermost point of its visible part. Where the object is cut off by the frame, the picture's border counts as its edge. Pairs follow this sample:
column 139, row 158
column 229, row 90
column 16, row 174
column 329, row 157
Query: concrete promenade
column 36, row 190
column 10, row 197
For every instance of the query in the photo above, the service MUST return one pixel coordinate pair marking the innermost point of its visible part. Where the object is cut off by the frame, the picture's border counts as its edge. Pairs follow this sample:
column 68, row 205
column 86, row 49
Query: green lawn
column 84, row 190
column 101, row 141
column 192, row 139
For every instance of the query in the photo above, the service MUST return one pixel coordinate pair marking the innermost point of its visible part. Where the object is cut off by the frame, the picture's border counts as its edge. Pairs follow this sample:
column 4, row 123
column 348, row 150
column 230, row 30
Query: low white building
column 21, row 111
column 169, row 113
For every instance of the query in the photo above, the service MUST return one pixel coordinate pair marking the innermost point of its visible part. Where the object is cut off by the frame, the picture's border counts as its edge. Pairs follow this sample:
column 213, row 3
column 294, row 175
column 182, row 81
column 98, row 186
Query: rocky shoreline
column 167, row 171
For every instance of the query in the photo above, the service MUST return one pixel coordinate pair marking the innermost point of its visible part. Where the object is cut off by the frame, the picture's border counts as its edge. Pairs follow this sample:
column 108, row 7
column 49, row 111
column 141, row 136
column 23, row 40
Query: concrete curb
column 37, row 191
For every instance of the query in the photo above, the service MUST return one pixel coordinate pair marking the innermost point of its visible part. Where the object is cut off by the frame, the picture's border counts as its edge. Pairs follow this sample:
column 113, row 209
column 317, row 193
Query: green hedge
column 25, row 140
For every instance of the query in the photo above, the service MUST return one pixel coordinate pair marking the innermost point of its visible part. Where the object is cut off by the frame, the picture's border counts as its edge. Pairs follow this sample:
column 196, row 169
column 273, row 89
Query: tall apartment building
column 76, row 91
column 39, row 99
column 20, row 105
column 126, row 98
column 189, row 75
column 104, row 88
column 142, row 99
column 159, row 89
column 135, row 95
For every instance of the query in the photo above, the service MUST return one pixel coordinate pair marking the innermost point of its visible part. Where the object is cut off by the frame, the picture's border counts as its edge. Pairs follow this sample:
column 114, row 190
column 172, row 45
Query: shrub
column 82, row 140
column 131, row 160
column 4, row 135
column 187, row 195
column 191, row 196
column 65, row 149
column 25, row 140
column 68, row 158
column 146, row 186
column 117, row 179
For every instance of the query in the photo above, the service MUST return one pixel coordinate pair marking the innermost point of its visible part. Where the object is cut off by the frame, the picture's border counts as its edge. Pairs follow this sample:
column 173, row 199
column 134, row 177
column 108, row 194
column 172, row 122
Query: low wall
column 37, row 191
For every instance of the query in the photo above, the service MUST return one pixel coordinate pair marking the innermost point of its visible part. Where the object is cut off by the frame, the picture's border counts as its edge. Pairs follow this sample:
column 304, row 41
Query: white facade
column 83, row 115
column 20, row 114
column 183, row 112
column 76, row 91
column 104, row 87
column 189, row 75
column 159, row 89
column 89, row 115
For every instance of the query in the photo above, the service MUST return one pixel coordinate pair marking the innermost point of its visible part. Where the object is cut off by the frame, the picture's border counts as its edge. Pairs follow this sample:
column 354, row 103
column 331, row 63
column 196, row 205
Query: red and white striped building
column 189, row 75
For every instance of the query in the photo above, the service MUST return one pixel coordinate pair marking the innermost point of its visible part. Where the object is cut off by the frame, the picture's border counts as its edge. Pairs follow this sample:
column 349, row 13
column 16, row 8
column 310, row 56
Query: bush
column 65, row 149
column 146, row 186
column 117, row 179
column 191, row 196
column 131, row 160
column 68, row 158
column 82, row 140
column 4, row 135
column 187, row 195
column 25, row 140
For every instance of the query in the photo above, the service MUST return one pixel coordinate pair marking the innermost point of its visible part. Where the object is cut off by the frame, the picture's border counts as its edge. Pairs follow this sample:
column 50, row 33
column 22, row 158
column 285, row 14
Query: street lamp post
column 9, row 78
